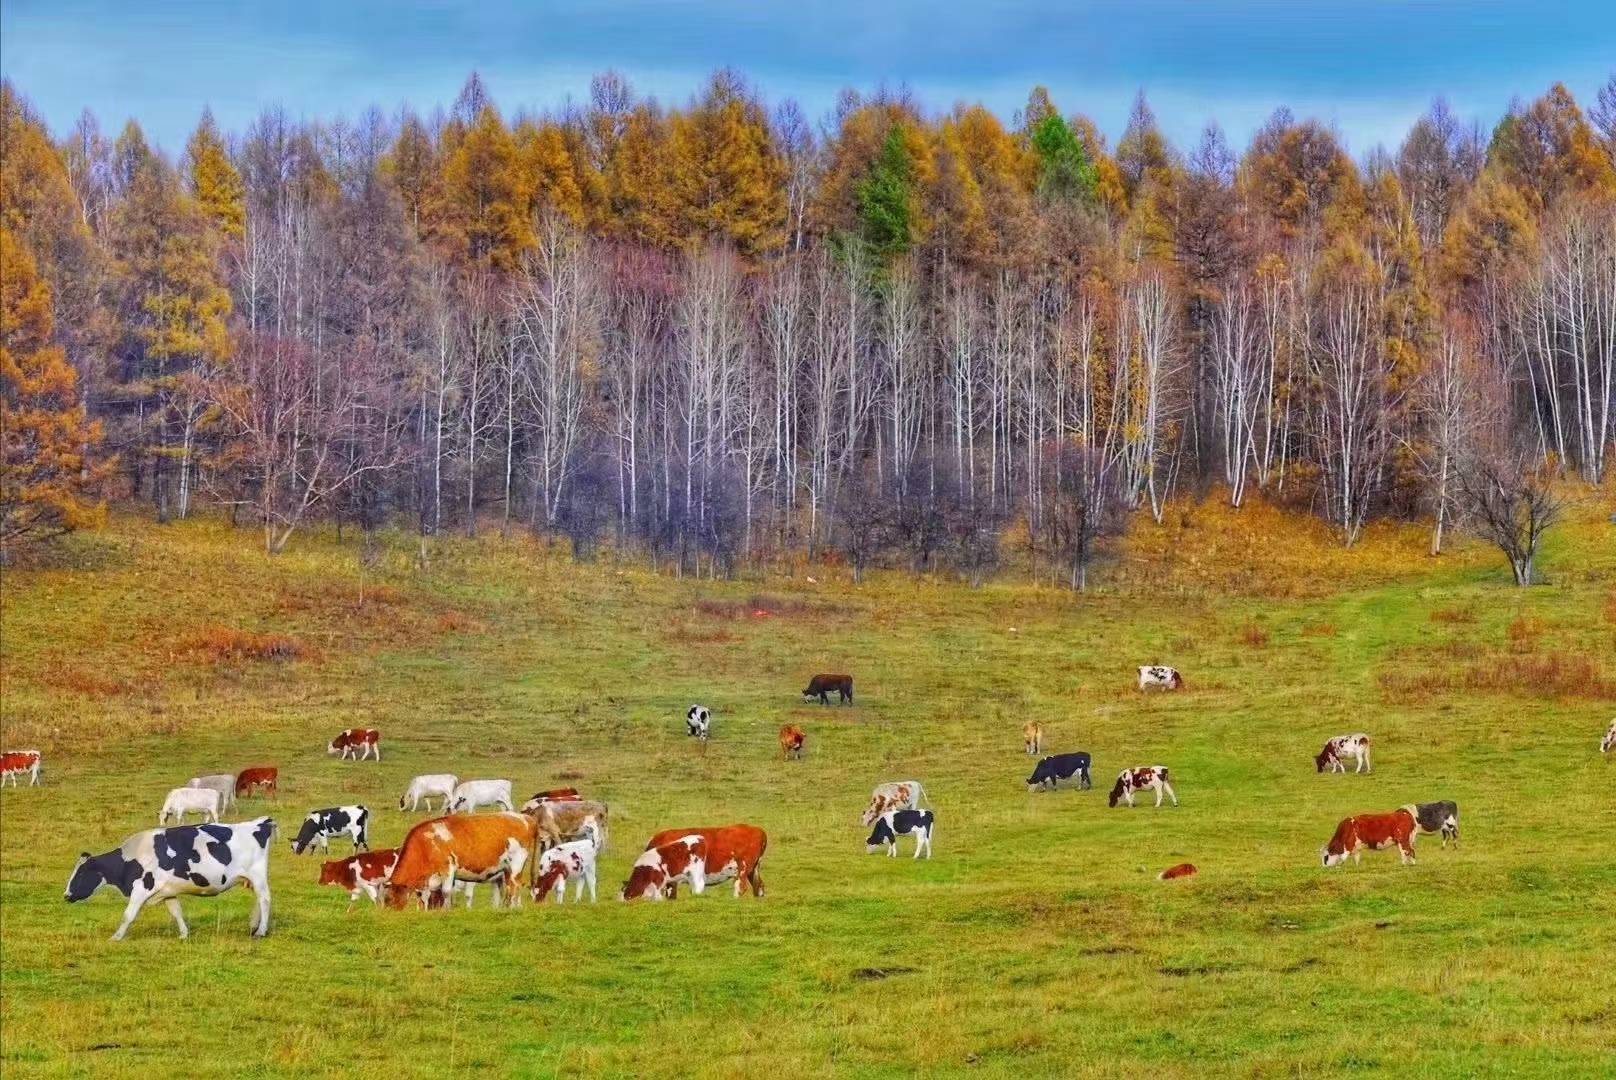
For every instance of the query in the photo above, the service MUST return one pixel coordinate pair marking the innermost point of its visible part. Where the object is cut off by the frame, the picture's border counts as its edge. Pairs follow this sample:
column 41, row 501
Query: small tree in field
column 1085, row 508
column 1509, row 499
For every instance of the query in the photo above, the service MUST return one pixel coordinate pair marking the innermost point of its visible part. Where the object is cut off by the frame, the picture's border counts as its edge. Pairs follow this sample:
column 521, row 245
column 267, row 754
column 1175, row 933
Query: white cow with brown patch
column 896, row 795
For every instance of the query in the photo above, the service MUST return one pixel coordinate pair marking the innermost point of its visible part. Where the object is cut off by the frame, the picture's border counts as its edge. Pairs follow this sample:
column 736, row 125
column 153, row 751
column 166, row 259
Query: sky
column 1368, row 67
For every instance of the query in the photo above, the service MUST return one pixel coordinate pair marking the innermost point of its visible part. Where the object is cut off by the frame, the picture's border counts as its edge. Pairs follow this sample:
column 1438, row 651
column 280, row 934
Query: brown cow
column 822, row 686
column 1373, row 831
column 791, row 740
column 266, row 777
column 441, row 852
column 1032, row 737
column 733, row 851
column 564, row 820
column 357, row 743
column 364, row 873
column 560, row 794
column 1172, row 873
column 17, row 763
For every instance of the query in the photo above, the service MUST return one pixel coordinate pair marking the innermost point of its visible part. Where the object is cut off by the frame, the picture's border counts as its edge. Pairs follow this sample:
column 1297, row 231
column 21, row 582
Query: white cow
column 471, row 794
column 424, row 788
column 896, row 795
column 223, row 783
column 1142, row 778
column 1157, row 677
column 1610, row 739
column 573, row 861
column 1337, row 750
column 183, row 800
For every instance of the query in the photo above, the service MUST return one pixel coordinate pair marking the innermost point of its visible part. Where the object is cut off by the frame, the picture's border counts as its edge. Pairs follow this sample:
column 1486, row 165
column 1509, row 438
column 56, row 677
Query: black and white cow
column 322, row 825
column 1160, row 677
column 699, row 722
column 1057, row 767
column 184, row 860
column 895, row 823
column 1435, row 818
column 1609, row 742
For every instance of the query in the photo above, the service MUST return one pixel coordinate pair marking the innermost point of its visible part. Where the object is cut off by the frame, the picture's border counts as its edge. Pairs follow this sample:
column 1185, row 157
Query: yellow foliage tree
column 484, row 201
column 637, row 188
column 728, row 180
column 551, row 173
column 214, row 182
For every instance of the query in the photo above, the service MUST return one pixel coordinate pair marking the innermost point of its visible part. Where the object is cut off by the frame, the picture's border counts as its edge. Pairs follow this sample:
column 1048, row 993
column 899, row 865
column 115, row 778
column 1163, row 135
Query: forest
column 721, row 334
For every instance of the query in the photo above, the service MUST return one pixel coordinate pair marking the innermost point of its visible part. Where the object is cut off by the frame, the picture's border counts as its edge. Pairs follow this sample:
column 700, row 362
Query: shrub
column 223, row 644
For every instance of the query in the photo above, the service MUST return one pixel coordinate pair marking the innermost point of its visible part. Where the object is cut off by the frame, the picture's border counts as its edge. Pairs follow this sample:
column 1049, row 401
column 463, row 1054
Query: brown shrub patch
column 457, row 622
column 1254, row 636
column 1524, row 631
column 224, row 644
column 1610, row 608
column 75, row 680
column 1557, row 675
column 759, row 606
column 1454, row 615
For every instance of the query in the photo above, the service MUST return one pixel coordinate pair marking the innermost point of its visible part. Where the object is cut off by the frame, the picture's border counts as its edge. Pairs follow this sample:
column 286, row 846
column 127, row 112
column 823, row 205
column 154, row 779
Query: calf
column 266, row 777
column 364, row 873
column 1157, row 677
column 560, row 821
column 733, row 851
column 321, row 825
column 823, row 686
column 1032, row 737
column 792, row 738
column 423, row 789
column 897, row 795
column 1437, row 818
column 15, row 763
column 1343, row 746
column 470, row 794
column 356, row 743
column 1145, row 776
column 895, row 823
column 194, row 860
column 573, row 861
column 1373, row 831
column 699, row 722
column 441, row 852
column 659, row 871
column 223, row 783
column 183, row 800
column 1605, row 746
column 1057, row 767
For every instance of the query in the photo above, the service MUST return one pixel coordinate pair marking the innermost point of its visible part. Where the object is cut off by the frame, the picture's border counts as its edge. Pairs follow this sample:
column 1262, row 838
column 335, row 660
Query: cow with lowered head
column 321, row 825
column 823, row 686
column 1057, row 767
column 183, row 860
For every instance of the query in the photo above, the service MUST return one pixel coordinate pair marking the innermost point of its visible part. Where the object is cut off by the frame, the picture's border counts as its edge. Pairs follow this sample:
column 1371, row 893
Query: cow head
column 306, row 835
column 1332, row 858
column 336, row 745
column 1325, row 757
column 334, row 873
column 92, row 872
column 553, row 875
column 644, row 881
column 457, row 803
column 881, row 837
column 1116, row 793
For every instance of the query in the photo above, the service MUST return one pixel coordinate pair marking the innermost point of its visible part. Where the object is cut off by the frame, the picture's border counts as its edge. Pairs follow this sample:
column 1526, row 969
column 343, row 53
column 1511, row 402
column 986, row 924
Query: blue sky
column 1368, row 67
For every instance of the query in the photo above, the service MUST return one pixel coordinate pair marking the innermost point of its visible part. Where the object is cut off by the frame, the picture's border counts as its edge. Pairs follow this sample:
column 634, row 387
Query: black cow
column 822, row 686
column 895, row 823
column 322, row 825
column 1437, row 817
column 1057, row 767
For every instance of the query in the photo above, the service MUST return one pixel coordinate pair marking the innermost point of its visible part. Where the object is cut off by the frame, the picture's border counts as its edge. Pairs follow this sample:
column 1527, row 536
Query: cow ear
column 84, row 856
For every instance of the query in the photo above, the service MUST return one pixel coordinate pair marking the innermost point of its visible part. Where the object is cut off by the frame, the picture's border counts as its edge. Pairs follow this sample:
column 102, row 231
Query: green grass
column 1036, row 942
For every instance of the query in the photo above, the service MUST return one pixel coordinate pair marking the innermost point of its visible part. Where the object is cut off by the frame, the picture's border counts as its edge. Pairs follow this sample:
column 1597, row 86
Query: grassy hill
column 1036, row 942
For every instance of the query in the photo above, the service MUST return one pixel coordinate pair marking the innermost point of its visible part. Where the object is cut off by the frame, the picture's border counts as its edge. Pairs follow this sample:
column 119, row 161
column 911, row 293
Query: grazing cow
column 1437, row 818
column 699, row 722
column 321, row 825
column 1373, row 831
column 733, row 851
column 184, row 860
column 1146, row 776
column 14, row 763
column 1341, row 747
column 897, row 795
column 470, row 794
column 1057, row 767
column 561, row 821
column 560, row 794
column 823, row 686
column 266, row 777
column 1173, row 873
column 659, row 871
column 440, row 852
column 1032, row 737
column 1604, row 747
column 1157, row 677
column 895, row 823
column 423, row 789
column 364, row 873
column 183, row 800
column 573, row 861
column 356, row 743
column 791, row 739
column 223, row 783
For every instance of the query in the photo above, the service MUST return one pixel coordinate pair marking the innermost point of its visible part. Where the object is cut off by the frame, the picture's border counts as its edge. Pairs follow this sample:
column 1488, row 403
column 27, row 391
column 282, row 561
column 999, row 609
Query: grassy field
column 1036, row 942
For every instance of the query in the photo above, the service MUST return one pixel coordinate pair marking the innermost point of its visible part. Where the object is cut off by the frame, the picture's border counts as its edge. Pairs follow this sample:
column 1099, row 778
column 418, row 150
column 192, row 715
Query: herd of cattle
column 557, row 835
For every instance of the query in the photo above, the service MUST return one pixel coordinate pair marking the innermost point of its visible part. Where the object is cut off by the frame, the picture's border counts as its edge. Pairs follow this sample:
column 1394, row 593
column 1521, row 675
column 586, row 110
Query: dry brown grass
column 224, row 644
column 1454, row 615
column 1556, row 675
column 1322, row 629
column 1254, row 636
column 1523, row 631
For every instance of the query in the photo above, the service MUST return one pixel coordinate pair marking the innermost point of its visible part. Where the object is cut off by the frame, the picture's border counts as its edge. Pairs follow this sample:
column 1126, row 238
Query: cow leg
column 137, row 900
column 1170, row 794
column 589, row 879
column 173, row 905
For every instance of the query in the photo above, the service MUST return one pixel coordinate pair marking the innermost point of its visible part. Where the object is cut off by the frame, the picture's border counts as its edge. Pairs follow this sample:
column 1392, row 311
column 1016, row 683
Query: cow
column 699, row 722
column 1173, row 873
column 659, row 871
column 266, row 777
column 356, row 743
column 364, row 873
column 440, row 852
column 560, row 794
column 1605, row 746
column 1157, row 677
column 470, row 794
column 1139, row 779
column 183, row 860
column 1032, row 737
column 792, row 738
column 895, row 823
column 14, row 763
column 823, row 686
column 1057, row 767
column 897, row 795
column 321, row 825
column 560, row 821
column 223, row 783
column 1343, row 746
column 184, row 800
column 1437, row 819
column 423, row 789
column 733, row 851
column 573, row 861
column 1373, row 831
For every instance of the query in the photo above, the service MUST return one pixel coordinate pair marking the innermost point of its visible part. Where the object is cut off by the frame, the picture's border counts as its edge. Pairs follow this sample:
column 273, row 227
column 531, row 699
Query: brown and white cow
column 733, row 852
column 1159, row 677
column 659, row 871
column 896, row 795
column 1032, row 737
column 1609, row 742
column 265, row 776
column 361, row 874
column 441, row 852
column 1373, row 831
column 567, row 819
column 792, row 738
column 1337, row 750
column 1143, row 778
column 356, row 743
column 16, row 763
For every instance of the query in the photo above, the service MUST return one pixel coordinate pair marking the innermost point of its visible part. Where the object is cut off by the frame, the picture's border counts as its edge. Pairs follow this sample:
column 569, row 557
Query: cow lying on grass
column 1372, row 831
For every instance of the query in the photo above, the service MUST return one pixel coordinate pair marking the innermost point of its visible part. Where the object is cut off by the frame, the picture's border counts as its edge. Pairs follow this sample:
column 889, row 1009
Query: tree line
column 720, row 333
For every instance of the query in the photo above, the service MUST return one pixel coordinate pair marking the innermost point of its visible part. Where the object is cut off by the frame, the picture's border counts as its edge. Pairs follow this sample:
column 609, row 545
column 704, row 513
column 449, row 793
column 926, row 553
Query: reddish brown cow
column 1373, row 831
column 358, row 743
column 823, row 686
column 18, row 763
column 1183, row 869
column 463, row 847
column 791, row 739
column 364, row 873
column 733, row 851
column 266, row 777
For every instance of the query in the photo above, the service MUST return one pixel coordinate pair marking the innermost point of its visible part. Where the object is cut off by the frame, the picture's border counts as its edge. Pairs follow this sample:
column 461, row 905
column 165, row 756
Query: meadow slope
column 1036, row 942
